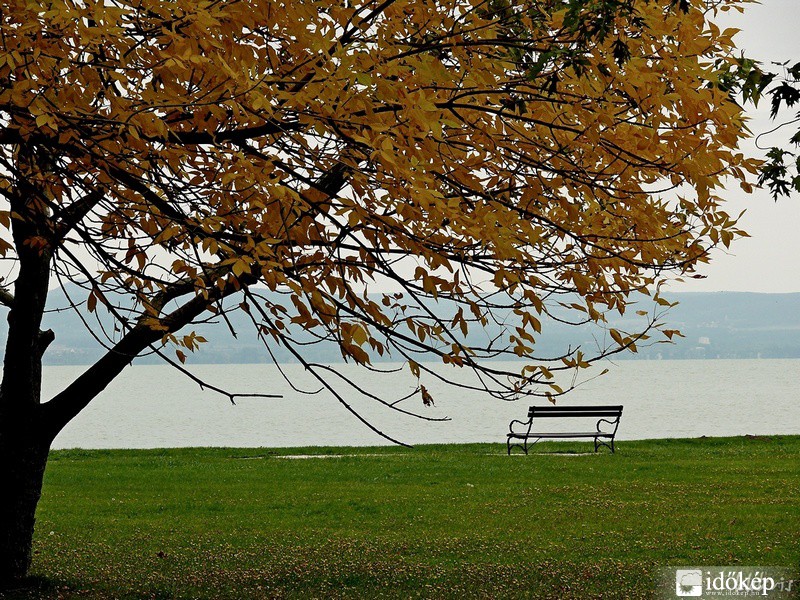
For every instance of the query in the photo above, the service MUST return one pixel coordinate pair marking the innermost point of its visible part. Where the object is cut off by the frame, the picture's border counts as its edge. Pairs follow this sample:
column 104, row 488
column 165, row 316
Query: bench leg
column 525, row 446
column 509, row 446
column 522, row 446
column 598, row 443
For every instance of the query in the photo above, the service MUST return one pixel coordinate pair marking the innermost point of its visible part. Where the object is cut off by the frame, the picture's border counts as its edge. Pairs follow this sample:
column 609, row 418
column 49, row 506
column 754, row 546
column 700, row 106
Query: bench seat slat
column 560, row 434
column 577, row 407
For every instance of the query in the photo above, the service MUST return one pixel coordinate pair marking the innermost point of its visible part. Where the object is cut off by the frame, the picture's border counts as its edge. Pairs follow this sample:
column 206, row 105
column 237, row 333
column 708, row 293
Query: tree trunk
column 24, row 439
column 23, row 457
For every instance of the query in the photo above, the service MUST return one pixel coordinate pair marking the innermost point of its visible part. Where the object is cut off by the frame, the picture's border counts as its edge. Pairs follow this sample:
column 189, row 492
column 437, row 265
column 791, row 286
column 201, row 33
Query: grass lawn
column 456, row 521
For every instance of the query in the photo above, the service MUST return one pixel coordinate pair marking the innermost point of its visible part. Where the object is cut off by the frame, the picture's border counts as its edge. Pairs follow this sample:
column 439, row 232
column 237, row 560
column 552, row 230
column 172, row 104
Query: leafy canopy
column 493, row 156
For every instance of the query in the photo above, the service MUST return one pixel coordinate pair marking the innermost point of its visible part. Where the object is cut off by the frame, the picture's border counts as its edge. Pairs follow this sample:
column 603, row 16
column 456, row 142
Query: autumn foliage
column 493, row 154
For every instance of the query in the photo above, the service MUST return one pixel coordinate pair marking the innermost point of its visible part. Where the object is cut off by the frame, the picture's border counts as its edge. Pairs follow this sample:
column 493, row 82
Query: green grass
column 434, row 521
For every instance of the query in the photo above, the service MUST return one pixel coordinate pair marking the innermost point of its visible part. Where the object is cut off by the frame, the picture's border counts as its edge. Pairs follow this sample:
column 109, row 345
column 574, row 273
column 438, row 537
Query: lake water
column 155, row 406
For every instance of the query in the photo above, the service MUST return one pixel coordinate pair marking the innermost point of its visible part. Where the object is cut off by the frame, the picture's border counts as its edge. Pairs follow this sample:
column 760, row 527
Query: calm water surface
column 155, row 406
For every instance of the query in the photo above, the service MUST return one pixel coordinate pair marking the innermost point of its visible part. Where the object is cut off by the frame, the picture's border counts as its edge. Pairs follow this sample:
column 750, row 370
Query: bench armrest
column 525, row 424
column 614, row 422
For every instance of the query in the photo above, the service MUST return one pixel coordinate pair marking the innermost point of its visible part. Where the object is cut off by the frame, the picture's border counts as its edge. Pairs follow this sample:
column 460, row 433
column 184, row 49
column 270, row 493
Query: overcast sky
column 769, row 261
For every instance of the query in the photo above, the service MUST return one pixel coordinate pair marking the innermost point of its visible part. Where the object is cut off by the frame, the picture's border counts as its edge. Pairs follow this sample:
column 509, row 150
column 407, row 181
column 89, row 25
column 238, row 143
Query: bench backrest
column 613, row 412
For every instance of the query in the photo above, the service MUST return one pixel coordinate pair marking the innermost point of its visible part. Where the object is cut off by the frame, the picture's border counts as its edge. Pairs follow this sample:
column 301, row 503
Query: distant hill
column 715, row 325
column 734, row 325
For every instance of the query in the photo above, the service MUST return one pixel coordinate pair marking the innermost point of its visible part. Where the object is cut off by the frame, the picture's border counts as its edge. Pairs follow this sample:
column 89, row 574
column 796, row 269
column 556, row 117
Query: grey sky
column 769, row 261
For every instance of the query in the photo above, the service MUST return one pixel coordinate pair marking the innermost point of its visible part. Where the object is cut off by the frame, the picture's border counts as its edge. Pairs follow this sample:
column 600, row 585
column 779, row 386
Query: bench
column 609, row 415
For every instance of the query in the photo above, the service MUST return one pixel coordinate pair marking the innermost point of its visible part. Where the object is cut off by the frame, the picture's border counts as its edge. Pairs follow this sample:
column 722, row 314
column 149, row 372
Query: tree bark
column 23, row 457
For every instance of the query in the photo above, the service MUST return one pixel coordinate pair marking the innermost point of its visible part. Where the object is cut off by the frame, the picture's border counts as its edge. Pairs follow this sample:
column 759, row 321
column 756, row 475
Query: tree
column 497, row 157
column 745, row 79
column 781, row 170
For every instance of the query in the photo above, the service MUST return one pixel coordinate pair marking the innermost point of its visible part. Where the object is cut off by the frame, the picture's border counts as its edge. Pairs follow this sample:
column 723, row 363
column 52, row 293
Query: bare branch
column 6, row 298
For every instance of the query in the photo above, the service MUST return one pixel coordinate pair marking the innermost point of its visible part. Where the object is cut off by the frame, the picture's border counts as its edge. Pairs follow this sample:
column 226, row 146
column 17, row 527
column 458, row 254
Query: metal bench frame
column 608, row 414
